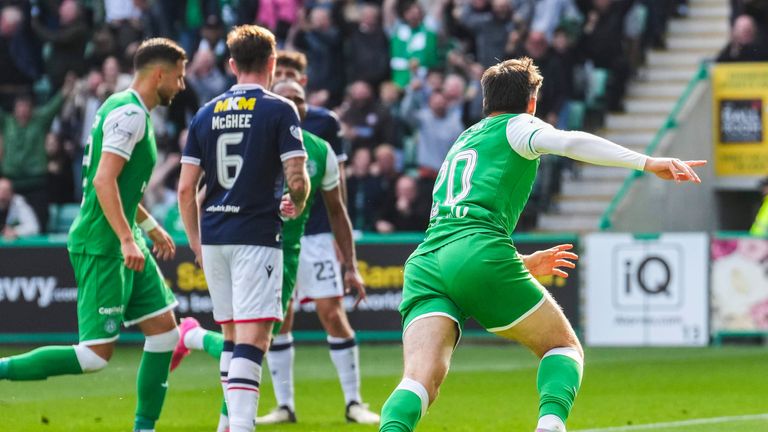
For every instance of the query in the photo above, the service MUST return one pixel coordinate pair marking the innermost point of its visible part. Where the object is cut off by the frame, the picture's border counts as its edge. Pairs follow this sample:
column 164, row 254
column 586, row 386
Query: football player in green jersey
column 118, row 279
column 467, row 265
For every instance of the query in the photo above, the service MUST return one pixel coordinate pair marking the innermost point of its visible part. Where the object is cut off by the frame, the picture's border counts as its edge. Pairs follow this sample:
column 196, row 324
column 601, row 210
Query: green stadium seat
column 576, row 113
column 65, row 216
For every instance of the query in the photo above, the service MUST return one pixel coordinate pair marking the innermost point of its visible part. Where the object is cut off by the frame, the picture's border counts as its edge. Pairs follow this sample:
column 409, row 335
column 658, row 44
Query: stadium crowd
column 402, row 75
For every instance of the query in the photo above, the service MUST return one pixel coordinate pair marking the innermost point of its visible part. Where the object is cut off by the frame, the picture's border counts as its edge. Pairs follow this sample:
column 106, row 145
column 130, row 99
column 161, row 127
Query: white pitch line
column 682, row 423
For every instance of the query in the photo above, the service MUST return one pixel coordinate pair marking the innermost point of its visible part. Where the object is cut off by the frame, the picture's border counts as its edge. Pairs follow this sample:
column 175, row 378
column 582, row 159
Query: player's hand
column 551, row 261
column 674, row 169
column 198, row 251
column 287, row 208
column 352, row 279
column 133, row 258
column 162, row 244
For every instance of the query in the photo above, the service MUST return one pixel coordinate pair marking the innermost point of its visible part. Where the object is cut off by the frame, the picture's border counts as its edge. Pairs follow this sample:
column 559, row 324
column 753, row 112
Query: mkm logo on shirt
column 237, row 103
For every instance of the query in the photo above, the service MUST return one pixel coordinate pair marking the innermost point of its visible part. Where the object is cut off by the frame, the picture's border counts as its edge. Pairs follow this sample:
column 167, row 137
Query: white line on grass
column 682, row 423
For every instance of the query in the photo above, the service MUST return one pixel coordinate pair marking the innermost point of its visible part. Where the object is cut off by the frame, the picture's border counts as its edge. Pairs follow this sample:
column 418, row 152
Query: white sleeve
column 520, row 132
column 331, row 177
column 586, row 147
column 122, row 129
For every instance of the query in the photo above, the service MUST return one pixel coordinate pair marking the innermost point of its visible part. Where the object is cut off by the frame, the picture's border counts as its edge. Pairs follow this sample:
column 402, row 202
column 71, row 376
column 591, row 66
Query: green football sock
column 152, row 384
column 403, row 410
column 224, row 410
column 213, row 343
column 41, row 364
column 558, row 382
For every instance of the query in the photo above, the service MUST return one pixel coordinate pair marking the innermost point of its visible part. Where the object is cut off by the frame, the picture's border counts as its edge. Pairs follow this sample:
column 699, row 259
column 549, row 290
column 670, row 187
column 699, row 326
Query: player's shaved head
column 158, row 50
column 294, row 92
column 509, row 86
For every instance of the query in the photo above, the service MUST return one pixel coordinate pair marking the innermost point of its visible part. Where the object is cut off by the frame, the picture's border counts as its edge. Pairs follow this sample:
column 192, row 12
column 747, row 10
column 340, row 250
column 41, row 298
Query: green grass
column 490, row 388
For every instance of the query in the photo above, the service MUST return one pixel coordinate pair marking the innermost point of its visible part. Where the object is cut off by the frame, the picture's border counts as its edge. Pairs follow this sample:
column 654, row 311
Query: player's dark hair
column 292, row 60
column 507, row 86
column 158, row 50
column 251, row 46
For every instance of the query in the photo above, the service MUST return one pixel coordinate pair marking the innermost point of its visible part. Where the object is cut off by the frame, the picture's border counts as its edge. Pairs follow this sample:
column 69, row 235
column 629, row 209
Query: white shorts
column 245, row 282
column 319, row 274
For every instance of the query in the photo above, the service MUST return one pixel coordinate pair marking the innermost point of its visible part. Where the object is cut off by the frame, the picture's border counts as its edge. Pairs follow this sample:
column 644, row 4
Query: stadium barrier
column 38, row 293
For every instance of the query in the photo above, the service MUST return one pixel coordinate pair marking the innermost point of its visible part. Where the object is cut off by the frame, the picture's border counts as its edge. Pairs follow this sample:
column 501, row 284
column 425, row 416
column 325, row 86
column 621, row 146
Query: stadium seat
column 66, row 214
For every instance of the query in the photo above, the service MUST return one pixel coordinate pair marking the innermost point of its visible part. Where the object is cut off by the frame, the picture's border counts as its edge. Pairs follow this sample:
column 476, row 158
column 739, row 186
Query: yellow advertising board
column 740, row 119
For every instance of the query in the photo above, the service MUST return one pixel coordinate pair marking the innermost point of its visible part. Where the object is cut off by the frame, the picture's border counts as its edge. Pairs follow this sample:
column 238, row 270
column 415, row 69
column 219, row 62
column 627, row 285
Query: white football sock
column 193, row 339
column 346, row 358
column 280, row 358
column 243, row 387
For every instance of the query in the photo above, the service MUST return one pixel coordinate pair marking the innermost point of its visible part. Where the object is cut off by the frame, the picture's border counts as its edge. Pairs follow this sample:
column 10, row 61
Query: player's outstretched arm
column 189, row 208
column 551, row 261
column 297, row 179
column 342, row 232
column 108, row 194
column 162, row 243
column 590, row 148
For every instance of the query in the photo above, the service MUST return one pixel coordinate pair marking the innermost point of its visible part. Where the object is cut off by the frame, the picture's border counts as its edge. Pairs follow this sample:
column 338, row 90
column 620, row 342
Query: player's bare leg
column 280, row 358
column 550, row 336
column 251, row 341
column 427, row 349
column 152, row 380
column 345, row 355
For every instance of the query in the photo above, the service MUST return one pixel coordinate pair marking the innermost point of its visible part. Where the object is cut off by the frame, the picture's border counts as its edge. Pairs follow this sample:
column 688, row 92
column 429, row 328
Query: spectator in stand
column 408, row 212
column 413, row 40
column 124, row 21
column 385, row 169
column 213, row 39
column 24, row 158
column 454, row 90
column 437, row 130
column 204, row 77
column 553, row 95
column 60, row 178
column 363, row 191
column 491, row 28
column 549, row 14
column 744, row 45
column 19, row 65
column 278, row 16
column 321, row 41
column 67, row 41
column 367, row 48
column 389, row 97
column 114, row 78
column 367, row 122
column 17, row 219
column 77, row 117
column 602, row 43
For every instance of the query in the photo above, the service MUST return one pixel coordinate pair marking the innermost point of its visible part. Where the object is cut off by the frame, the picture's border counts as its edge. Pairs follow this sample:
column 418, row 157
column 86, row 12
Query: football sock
column 201, row 339
column 558, row 382
column 280, row 359
column 405, row 407
column 224, row 360
column 223, row 418
column 41, row 363
column 152, row 379
column 345, row 356
column 243, row 387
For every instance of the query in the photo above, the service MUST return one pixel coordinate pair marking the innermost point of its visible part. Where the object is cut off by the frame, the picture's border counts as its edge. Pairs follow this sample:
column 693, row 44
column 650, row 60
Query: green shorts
column 109, row 294
column 478, row 276
column 290, row 269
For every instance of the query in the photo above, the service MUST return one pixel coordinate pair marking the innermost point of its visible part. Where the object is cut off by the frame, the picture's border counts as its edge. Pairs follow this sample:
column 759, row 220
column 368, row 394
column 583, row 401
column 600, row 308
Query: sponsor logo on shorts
column 269, row 269
column 114, row 310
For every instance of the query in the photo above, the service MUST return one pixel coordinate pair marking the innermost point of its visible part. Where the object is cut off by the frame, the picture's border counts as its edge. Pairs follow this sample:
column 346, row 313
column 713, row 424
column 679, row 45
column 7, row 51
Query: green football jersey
column 323, row 170
column 122, row 126
column 485, row 180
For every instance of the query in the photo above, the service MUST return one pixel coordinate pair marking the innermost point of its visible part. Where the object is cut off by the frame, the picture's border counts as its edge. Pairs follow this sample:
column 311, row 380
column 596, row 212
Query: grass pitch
column 490, row 388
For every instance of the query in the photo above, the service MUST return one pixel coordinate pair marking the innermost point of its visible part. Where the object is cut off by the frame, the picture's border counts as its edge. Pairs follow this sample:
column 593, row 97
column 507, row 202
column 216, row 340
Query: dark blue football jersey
column 325, row 124
column 240, row 140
